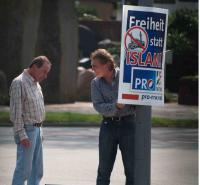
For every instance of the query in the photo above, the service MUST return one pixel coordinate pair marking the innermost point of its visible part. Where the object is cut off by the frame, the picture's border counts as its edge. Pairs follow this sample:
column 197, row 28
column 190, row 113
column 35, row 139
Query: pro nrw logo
column 144, row 80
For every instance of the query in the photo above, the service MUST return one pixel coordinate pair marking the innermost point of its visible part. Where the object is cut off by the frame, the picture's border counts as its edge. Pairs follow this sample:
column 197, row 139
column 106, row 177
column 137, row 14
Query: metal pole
column 143, row 135
column 143, row 145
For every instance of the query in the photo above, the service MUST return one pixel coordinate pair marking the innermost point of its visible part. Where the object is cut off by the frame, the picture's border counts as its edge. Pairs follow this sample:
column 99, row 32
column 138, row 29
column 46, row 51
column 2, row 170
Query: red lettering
column 148, row 60
column 157, row 60
column 134, row 57
column 128, row 58
column 140, row 63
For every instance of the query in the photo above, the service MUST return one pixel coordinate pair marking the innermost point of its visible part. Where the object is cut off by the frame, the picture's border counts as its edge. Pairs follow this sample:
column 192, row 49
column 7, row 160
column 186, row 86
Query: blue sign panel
column 144, row 80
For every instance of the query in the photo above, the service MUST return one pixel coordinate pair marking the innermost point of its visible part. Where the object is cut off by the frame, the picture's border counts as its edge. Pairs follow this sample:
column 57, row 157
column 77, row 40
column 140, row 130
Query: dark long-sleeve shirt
column 104, row 97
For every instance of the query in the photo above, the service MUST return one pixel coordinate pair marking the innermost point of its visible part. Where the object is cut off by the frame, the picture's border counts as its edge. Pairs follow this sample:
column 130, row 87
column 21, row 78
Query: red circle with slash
column 131, row 42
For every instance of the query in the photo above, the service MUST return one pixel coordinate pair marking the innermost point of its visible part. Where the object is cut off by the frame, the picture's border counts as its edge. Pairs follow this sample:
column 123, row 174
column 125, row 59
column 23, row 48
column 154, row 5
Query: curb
column 97, row 124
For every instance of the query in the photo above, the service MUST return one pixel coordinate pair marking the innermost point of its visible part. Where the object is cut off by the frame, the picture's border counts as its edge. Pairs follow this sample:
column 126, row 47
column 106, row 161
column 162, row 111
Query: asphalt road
column 71, row 157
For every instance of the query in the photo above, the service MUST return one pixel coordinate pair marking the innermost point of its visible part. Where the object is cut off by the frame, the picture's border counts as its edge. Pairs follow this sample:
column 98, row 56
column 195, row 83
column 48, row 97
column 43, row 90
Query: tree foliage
column 183, row 34
column 183, row 41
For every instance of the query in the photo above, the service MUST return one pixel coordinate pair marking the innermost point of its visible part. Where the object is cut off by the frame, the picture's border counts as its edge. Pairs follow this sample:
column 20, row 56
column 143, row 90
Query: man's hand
column 120, row 105
column 26, row 143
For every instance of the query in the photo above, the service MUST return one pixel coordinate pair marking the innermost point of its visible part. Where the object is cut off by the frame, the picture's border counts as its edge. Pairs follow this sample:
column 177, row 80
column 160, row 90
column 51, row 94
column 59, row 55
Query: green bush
column 183, row 41
column 115, row 48
column 188, row 90
column 86, row 13
column 183, row 32
column 4, row 99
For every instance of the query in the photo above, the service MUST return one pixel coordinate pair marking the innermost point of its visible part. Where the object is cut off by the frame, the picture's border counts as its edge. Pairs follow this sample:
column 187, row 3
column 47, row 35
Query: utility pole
column 143, row 133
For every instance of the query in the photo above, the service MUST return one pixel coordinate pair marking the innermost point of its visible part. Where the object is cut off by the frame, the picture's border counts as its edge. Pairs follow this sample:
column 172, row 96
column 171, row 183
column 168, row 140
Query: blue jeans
column 29, row 165
column 114, row 134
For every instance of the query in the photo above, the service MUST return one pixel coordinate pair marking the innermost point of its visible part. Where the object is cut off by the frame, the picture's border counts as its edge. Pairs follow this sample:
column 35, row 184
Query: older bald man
column 27, row 113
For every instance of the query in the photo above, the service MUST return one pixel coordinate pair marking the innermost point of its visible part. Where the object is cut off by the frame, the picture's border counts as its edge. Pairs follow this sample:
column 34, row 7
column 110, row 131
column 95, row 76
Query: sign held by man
column 143, row 46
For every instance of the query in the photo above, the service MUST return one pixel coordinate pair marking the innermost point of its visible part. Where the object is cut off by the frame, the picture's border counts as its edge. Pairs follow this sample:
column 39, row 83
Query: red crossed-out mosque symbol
column 132, row 43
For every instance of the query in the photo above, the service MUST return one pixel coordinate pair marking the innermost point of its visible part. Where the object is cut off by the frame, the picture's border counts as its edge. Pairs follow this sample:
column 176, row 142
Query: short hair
column 39, row 61
column 104, row 57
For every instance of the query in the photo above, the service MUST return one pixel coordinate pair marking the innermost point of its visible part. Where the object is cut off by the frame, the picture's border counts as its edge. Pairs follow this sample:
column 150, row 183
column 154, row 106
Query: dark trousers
column 114, row 134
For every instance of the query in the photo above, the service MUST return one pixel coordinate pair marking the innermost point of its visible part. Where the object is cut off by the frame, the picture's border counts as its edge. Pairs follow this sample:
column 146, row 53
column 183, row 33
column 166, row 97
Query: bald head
column 39, row 68
column 39, row 61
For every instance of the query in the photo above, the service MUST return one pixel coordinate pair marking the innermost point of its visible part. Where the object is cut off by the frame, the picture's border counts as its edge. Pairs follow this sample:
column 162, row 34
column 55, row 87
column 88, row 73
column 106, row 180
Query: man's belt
column 118, row 118
column 37, row 124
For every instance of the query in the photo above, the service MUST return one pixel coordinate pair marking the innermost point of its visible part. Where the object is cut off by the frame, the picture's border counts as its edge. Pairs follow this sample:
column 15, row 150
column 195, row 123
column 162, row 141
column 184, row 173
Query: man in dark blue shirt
column 118, row 124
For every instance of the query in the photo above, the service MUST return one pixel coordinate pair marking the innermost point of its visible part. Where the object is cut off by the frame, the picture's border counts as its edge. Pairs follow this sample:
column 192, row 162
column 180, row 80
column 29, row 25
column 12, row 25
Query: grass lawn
column 77, row 119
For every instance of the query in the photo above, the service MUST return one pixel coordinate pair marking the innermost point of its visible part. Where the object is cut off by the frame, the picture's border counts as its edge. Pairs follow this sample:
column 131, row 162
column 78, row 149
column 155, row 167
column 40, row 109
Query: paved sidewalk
column 71, row 156
column 169, row 110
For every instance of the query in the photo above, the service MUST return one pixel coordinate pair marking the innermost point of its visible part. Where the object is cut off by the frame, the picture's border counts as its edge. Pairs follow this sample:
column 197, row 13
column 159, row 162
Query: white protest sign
column 143, row 46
